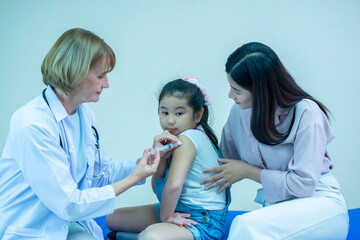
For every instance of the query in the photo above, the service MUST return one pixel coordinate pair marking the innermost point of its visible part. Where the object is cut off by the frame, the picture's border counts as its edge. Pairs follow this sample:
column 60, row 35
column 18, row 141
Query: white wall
column 157, row 41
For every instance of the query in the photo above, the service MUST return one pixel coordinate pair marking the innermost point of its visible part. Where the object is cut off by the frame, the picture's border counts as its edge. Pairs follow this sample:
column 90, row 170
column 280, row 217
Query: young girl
column 183, row 111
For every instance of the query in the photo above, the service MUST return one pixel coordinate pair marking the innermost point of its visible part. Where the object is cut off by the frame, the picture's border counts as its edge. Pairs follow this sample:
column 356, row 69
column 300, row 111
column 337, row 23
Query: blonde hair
column 70, row 59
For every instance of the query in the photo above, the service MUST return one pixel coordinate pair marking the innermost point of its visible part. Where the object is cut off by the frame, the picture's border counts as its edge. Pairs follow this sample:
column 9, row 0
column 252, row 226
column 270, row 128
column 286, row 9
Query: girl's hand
column 181, row 219
column 163, row 139
column 147, row 165
column 230, row 172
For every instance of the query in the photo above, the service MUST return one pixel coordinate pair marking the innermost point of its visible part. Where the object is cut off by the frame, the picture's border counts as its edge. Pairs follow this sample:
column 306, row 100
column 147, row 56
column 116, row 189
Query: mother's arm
column 229, row 172
column 233, row 169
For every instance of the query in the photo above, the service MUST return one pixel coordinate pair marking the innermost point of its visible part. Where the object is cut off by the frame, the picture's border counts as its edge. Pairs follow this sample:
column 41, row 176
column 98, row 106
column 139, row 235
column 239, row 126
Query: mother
column 277, row 135
column 54, row 175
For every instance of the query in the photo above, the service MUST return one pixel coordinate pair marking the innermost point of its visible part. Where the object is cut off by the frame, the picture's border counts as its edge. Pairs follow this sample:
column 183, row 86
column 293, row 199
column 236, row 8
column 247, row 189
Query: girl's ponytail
column 208, row 130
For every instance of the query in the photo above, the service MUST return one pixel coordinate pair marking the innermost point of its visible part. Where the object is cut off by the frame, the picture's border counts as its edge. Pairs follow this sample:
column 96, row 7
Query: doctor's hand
column 230, row 172
column 147, row 165
column 181, row 219
column 163, row 139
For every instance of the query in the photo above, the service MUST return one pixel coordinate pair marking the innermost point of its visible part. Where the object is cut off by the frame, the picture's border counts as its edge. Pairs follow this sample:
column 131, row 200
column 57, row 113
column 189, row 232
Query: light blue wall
column 157, row 41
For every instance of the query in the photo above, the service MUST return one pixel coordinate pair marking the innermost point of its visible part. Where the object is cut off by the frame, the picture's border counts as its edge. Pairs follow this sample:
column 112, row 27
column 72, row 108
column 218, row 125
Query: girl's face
column 240, row 95
column 89, row 90
column 176, row 115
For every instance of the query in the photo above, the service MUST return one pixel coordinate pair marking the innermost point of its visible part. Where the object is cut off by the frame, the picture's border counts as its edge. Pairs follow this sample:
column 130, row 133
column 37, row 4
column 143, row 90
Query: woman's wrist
column 123, row 185
column 253, row 173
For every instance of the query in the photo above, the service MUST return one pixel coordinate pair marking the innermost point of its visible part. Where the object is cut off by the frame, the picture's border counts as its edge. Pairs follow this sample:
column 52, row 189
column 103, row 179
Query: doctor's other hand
column 181, row 219
column 163, row 139
column 229, row 172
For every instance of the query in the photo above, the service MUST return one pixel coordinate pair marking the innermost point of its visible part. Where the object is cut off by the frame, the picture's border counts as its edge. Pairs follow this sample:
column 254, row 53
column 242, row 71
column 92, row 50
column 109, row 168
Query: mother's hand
column 230, row 172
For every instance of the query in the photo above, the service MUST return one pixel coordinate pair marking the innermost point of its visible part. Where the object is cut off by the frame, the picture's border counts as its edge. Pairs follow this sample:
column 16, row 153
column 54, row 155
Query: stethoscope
column 97, row 144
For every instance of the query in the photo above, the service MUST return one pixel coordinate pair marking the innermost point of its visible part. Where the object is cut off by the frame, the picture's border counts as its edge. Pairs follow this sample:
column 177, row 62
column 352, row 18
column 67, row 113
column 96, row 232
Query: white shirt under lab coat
column 38, row 194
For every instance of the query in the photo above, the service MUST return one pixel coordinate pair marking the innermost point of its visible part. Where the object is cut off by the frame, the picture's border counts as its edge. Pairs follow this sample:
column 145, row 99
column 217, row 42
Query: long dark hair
column 195, row 99
column 256, row 67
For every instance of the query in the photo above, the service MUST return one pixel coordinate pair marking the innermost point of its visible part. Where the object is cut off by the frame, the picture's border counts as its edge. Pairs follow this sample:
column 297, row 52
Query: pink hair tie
column 204, row 91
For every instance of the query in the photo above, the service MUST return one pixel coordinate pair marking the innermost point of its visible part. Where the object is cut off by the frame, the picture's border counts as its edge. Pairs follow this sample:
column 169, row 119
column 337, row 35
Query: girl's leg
column 305, row 218
column 166, row 231
column 132, row 219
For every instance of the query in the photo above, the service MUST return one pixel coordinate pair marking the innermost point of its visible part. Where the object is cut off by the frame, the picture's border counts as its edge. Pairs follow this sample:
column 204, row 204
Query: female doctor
column 54, row 175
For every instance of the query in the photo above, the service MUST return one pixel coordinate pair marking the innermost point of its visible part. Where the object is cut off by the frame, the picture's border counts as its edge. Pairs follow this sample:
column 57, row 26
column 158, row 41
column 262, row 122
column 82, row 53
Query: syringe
column 165, row 147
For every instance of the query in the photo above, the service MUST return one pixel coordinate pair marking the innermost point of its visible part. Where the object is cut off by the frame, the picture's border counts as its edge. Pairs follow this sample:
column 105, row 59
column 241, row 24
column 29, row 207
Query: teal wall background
column 159, row 40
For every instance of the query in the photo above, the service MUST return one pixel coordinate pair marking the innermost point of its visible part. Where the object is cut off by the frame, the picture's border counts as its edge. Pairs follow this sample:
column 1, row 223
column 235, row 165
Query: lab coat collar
column 55, row 105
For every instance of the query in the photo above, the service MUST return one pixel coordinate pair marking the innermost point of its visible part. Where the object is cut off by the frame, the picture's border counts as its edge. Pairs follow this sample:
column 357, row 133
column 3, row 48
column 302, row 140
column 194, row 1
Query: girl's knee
column 109, row 223
column 150, row 234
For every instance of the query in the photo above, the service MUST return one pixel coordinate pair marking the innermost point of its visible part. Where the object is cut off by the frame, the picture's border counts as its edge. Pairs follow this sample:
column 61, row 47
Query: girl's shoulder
column 197, row 136
column 197, row 132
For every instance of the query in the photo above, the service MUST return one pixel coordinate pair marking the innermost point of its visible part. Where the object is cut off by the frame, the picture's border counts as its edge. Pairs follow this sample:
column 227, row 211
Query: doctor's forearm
column 123, row 185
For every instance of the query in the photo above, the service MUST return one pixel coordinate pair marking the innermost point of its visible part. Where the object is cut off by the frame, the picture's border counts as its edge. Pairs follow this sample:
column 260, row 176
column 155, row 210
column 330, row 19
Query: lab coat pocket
column 16, row 233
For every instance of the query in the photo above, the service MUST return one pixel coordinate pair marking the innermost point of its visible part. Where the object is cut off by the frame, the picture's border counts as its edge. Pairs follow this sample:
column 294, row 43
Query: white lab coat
column 38, row 194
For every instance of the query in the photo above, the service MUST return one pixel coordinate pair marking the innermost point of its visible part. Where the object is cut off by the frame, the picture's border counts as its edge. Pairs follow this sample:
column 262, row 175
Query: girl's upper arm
column 181, row 161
